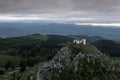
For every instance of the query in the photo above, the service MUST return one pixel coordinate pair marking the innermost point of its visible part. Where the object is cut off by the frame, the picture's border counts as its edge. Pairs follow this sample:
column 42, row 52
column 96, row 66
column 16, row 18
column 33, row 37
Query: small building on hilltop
column 80, row 41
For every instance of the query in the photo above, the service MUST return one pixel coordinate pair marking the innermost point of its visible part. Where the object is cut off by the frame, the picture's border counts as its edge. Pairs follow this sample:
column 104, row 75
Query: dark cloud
column 63, row 8
column 59, row 5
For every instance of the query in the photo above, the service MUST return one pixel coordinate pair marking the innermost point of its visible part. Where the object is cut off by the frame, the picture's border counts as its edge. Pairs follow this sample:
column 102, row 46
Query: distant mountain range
column 14, row 29
column 12, row 32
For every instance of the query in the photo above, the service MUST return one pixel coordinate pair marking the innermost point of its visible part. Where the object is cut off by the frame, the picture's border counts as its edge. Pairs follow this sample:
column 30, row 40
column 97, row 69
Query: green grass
column 5, row 58
column 88, row 48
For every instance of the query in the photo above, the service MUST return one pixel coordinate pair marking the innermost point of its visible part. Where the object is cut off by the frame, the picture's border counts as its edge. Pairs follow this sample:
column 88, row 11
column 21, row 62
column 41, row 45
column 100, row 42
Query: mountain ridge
column 63, row 29
column 68, row 65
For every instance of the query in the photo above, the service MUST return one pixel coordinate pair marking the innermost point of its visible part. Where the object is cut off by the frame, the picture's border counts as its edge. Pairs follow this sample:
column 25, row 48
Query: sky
column 77, row 11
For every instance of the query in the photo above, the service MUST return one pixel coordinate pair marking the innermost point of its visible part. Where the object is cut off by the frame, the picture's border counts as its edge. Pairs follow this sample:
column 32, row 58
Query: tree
column 8, row 65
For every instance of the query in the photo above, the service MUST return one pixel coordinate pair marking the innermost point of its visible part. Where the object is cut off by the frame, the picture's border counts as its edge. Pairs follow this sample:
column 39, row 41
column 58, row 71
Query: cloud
column 60, row 5
column 106, row 10
column 101, row 24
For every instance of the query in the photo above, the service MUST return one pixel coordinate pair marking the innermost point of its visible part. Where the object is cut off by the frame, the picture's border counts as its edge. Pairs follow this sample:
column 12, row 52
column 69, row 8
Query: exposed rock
column 82, row 66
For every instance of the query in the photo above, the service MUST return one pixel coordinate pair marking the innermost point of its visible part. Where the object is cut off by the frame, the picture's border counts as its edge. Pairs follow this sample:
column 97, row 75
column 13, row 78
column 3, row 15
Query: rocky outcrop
column 67, row 65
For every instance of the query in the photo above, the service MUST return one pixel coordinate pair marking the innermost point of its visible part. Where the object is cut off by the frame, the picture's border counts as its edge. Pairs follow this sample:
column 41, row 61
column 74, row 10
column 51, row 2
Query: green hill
column 90, row 64
column 53, row 56
column 108, row 46
column 27, row 51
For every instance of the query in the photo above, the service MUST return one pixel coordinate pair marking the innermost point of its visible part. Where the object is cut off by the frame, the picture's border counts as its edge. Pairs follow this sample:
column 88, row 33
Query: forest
column 21, row 53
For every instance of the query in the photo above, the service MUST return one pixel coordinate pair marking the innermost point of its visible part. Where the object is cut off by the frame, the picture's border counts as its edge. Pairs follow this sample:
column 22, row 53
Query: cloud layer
column 81, row 10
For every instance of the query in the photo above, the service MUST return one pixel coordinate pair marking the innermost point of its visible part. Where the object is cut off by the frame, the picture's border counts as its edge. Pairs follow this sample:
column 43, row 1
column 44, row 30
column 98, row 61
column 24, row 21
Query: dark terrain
column 20, row 55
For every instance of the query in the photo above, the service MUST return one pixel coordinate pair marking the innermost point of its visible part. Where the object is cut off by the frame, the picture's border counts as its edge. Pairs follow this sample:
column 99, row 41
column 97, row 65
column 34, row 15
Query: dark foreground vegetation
column 19, row 54
column 109, row 47
column 29, row 50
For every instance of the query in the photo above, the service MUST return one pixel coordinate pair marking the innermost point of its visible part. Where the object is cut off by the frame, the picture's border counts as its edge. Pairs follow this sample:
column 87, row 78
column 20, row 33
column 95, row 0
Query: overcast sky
column 107, row 11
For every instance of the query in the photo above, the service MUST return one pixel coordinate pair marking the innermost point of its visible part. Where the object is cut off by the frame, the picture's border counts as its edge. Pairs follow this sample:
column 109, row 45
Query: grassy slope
column 5, row 58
